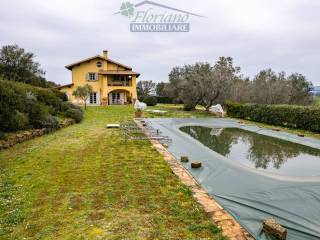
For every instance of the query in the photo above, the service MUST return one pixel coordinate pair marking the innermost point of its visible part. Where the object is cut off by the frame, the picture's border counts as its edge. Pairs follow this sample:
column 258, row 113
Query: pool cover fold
column 250, row 195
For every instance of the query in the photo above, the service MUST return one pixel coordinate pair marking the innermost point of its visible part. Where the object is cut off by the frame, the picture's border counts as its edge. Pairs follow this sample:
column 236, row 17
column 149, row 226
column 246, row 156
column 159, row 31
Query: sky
column 282, row 35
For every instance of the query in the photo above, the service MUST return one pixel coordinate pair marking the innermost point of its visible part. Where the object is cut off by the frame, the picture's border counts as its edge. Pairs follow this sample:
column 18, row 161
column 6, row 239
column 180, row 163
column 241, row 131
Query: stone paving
column 229, row 226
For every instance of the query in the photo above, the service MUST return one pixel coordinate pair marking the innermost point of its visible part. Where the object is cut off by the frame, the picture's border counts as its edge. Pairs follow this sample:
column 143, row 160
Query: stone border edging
column 30, row 134
column 229, row 226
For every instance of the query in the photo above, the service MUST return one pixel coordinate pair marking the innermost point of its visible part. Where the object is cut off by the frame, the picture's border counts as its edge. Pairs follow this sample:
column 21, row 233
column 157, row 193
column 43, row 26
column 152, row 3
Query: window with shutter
column 92, row 76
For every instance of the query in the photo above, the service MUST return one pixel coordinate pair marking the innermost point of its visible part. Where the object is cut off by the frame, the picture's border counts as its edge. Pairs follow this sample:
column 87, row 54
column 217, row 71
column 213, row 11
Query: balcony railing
column 119, row 84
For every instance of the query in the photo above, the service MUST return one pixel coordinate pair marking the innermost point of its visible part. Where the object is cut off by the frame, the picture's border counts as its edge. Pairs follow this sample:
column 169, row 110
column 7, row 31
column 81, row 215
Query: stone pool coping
column 229, row 226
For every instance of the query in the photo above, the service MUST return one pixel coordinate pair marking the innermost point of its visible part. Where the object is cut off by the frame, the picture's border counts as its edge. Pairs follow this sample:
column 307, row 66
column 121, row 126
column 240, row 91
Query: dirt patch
column 76, row 202
column 96, row 215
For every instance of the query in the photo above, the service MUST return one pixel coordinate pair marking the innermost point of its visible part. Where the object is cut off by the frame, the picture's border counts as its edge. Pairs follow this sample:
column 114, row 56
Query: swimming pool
column 252, row 190
column 258, row 151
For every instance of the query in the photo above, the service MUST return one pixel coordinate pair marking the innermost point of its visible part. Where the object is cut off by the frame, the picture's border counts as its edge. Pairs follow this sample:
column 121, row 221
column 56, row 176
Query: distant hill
column 316, row 90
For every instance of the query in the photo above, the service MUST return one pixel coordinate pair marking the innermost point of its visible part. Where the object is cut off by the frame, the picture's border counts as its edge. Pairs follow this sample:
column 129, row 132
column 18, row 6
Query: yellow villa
column 113, row 83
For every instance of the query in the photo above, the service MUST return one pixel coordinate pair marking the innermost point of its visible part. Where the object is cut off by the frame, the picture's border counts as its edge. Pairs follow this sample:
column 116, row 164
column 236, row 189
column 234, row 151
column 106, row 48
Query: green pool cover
column 250, row 195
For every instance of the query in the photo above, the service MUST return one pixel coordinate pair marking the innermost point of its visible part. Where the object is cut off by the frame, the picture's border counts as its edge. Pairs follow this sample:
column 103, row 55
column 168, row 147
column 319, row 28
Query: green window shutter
column 87, row 77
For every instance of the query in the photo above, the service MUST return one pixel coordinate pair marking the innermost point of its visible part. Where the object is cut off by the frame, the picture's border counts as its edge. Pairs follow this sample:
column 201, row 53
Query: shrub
column 49, row 98
column 75, row 114
column 24, row 106
column 164, row 99
column 188, row 106
column 49, row 122
column 301, row 117
column 37, row 112
column 67, row 105
column 61, row 95
column 129, row 99
column 150, row 101
column 21, row 120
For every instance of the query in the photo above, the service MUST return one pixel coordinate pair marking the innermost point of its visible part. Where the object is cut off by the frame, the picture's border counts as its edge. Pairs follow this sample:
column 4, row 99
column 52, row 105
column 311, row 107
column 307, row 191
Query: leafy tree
column 18, row 65
column 83, row 92
column 145, row 89
column 216, row 81
column 184, row 84
column 300, row 91
column 161, row 89
column 202, row 83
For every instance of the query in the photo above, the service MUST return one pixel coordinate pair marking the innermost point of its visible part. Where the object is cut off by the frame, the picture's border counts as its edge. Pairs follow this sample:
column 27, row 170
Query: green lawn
column 86, row 182
column 177, row 111
column 317, row 101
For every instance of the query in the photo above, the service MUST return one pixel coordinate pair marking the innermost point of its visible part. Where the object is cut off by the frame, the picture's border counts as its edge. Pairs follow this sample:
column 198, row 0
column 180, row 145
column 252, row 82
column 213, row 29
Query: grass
column 86, row 182
column 317, row 101
column 176, row 111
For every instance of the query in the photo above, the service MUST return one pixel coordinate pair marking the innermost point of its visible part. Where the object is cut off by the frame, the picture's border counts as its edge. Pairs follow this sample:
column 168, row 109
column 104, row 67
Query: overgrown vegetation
column 87, row 182
column 23, row 106
column 300, row 117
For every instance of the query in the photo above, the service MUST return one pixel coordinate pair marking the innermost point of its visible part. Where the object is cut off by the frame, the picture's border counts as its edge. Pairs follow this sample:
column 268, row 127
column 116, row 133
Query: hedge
column 300, row 117
column 23, row 106
column 163, row 99
column 150, row 101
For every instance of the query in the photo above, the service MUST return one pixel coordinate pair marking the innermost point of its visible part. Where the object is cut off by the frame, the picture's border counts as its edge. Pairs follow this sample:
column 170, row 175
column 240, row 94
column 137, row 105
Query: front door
column 93, row 99
column 116, row 98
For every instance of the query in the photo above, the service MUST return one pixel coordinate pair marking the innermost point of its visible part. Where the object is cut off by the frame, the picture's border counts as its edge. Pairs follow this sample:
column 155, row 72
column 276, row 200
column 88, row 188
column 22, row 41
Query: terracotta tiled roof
column 70, row 66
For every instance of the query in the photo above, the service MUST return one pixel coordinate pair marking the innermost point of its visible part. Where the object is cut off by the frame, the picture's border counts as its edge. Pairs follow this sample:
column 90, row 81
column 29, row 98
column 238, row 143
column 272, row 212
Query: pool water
column 259, row 151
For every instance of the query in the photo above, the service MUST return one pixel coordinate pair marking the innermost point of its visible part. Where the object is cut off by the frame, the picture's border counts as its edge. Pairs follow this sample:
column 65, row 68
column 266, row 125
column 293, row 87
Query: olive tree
column 202, row 83
column 83, row 92
column 216, row 81
column 184, row 84
column 300, row 89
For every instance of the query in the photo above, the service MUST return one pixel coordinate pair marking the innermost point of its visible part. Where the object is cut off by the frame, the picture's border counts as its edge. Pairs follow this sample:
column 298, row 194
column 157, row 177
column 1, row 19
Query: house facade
column 113, row 83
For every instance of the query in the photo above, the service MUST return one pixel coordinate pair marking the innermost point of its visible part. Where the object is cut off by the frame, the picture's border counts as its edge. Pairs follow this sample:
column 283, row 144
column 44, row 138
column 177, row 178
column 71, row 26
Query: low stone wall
column 30, row 134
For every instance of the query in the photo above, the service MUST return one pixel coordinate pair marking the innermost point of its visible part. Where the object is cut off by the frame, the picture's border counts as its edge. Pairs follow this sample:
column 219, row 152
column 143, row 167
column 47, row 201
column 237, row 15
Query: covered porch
column 119, row 97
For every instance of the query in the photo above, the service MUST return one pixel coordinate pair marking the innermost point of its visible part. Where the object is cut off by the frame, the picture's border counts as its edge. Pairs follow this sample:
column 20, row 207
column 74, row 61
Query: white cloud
column 258, row 34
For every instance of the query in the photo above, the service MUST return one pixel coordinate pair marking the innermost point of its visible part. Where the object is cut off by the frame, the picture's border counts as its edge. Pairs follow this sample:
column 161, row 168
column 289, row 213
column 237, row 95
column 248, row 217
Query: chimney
column 105, row 53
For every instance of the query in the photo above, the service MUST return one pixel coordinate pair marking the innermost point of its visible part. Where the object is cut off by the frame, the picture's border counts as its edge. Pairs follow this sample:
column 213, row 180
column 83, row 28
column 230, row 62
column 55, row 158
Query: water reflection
column 258, row 151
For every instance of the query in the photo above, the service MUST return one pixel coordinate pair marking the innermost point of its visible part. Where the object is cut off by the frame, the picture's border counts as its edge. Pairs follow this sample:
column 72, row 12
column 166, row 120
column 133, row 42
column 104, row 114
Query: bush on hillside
column 75, row 114
column 21, row 120
column 150, row 101
column 49, row 122
column 67, row 105
column 301, row 117
column 24, row 106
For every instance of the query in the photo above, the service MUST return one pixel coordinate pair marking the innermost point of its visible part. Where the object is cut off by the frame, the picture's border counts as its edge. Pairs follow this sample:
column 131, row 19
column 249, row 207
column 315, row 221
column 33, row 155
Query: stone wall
column 22, row 136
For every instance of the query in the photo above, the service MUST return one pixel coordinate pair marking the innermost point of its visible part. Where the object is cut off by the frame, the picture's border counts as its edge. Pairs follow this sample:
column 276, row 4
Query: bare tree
column 145, row 89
